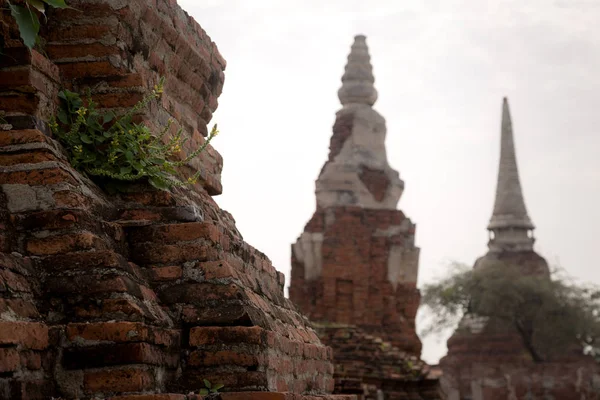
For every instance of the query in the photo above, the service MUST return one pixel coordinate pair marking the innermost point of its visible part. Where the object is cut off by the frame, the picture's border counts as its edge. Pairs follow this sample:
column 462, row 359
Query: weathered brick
column 200, row 336
column 89, row 69
column 14, row 282
column 117, row 354
column 70, row 51
column 207, row 358
column 122, row 332
column 27, row 158
column 42, row 176
column 167, row 273
column 65, row 243
column 150, row 397
column 9, row 359
column 172, row 233
column 16, row 102
column 21, row 307
column 77, row 32
column 118, row 380
column 31, row 335
column 31, row 360
column 117, row 99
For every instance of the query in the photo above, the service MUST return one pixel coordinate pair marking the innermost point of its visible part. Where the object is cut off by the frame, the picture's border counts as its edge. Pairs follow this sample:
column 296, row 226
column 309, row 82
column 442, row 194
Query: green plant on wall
column 114, row 150
column 27, row 19
column 210, row 389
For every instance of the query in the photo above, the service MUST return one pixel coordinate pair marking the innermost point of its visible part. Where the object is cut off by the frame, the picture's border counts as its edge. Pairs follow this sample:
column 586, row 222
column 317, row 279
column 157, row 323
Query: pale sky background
column 441, row 69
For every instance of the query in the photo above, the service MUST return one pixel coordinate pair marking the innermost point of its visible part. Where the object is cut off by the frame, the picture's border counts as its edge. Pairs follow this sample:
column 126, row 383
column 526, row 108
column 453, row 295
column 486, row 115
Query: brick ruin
column 354, row 268
column 488, row 360
column 137, row 296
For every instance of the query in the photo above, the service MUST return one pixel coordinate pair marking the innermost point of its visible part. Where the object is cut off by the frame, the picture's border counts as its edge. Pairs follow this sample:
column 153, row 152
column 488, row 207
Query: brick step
column 235, row 396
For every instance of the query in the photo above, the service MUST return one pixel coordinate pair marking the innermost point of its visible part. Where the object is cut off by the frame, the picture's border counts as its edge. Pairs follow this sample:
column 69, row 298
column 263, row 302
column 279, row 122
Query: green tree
column 552, row 315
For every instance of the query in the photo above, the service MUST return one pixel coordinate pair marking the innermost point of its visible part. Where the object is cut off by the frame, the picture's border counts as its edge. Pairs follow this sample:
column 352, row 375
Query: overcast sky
column 441, row 69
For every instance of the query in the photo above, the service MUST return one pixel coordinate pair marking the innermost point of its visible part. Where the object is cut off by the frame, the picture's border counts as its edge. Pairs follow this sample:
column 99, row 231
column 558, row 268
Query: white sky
column 441, row 69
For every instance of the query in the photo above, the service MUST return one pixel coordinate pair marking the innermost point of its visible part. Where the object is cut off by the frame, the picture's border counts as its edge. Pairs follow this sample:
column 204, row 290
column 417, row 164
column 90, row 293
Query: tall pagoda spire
column 358, row 80
column 510, row 224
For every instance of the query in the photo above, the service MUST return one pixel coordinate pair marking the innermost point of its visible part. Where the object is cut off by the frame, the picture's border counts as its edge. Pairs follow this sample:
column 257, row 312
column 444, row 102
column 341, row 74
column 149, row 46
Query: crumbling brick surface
column 376, row 181
column 365, row 364
column 354, row 287
column 140, row 295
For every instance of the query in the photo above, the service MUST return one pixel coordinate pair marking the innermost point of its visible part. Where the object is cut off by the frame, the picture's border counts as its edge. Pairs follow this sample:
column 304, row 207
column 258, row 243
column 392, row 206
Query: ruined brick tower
column 486, row 359
column 355, row 266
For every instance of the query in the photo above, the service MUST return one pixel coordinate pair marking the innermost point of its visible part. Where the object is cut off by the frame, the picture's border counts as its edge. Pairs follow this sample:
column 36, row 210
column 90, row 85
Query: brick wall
column 354, row 287
column 129, row 296
column 368, row 366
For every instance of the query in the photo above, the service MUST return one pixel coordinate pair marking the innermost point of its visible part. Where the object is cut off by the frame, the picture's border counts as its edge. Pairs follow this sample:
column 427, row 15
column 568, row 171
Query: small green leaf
column 219, row 386
column 86, row 139
column 62, row 116
column 57, row 3
column 108, row 117
column 157, row 161
column 28, row 22
column 38, row 5
column 129, row 155
column 125, row 170
column 206, row 383
column 162, row 185
column 203, row 392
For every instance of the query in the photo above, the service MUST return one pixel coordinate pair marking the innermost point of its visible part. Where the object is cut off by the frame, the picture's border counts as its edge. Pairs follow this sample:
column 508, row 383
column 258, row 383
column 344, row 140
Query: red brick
column 150, row 397
column 31, row 335
column 173, row 233
column 118, row 380
column 89, row 69
column 58, row 51
column 65, row 243
column 78, row 32
column 14, row 282
column 122, row 332
column 15, row 102
column 170, row 253
column 23, row 308
column 46, row 176
column 10, row 359
column 42, row 64
column 255, row 396
column 200, row 336
column 31, row 360
column 217, row 270
column 118, row 99
column 223, row 357
column 27, row 158
column 70, row 199
column 166, row 273
column 140, row 215
column 79, row 357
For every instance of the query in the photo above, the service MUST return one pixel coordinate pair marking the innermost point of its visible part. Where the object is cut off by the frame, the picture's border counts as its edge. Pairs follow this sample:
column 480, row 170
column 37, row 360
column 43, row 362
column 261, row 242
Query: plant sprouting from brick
column 27, row 19
column 209, row 389
column 116, row 150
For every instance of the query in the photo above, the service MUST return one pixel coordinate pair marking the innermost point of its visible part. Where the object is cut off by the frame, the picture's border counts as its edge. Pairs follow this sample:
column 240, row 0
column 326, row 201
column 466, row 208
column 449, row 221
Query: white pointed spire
column 357, row 172
column 510, row 222
column 357, row 81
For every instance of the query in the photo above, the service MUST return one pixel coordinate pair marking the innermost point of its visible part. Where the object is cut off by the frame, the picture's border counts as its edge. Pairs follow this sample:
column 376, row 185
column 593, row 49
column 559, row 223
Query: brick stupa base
column 145, row 295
